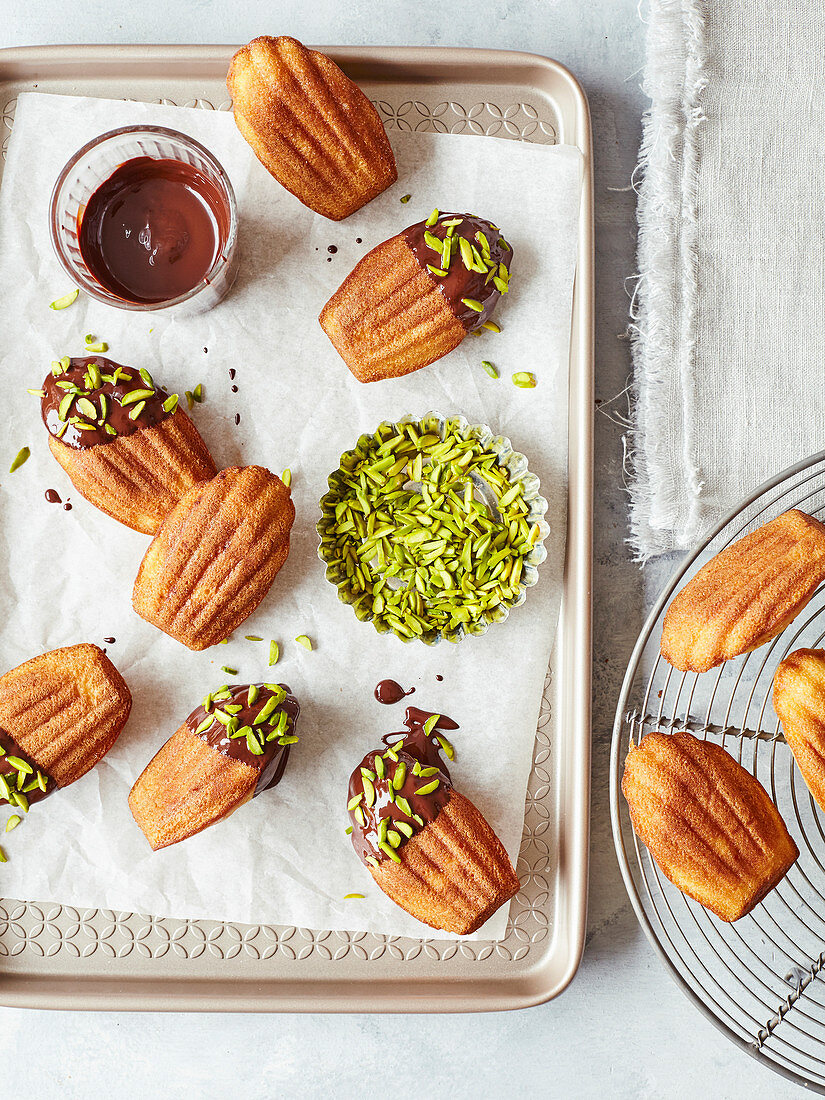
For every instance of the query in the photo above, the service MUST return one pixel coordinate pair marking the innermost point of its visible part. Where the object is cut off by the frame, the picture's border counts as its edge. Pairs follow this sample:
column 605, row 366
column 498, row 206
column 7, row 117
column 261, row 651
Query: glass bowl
column 93, row 164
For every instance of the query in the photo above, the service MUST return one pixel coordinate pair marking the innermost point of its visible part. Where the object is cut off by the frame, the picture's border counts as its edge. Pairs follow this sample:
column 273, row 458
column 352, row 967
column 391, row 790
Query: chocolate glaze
column 272, row 762
column 153, row 229
column 390, row 691
column 416, row 750
column 416, row 742
column 11, row 748
column 460, row 282
column 53, row 497
column 117, row 416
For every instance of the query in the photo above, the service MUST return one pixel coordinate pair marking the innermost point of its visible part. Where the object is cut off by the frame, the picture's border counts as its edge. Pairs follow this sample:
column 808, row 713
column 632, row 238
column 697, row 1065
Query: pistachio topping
column 489, row 368
column 426, row 532
column 274, row 652
column 524, row 380
column 254, row 723
column 303, row 640
column 92, row 400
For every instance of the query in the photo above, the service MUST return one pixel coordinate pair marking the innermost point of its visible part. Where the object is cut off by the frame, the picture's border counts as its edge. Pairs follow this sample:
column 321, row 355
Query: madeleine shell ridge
column 311, row 127
column 799, row 701
column 746, row 594
column 137, row 479
column 187, row 786
column 707, row 822
column 388, row 317
column 215, row 556
column 454, row 873
column 65, row 709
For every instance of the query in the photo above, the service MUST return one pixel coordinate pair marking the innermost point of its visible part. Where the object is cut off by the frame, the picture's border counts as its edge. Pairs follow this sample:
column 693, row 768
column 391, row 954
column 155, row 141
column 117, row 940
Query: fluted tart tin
column 433, row 528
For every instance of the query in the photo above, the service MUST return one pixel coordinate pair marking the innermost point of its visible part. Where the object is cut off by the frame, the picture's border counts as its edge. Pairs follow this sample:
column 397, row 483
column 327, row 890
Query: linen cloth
column 729, row 311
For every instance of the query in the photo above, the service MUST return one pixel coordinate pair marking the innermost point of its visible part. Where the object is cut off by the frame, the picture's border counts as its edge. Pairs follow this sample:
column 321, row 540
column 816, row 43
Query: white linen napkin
column 729, row 313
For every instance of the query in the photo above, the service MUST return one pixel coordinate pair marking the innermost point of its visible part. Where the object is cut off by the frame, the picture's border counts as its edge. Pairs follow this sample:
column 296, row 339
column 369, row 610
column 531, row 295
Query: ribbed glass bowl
column 339, row 564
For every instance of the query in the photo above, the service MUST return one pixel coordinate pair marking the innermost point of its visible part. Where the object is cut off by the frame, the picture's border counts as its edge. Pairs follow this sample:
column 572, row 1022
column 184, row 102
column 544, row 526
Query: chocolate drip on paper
column 272, row 762
column 390, row 691
column 117, row 415
column 460, row 282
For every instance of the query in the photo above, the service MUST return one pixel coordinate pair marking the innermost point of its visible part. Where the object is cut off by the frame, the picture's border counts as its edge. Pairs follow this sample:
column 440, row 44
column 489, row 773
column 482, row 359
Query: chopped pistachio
column 286, row 477
column 303, row 640
column 19, row 459
column 274, row 653
column 66, row 300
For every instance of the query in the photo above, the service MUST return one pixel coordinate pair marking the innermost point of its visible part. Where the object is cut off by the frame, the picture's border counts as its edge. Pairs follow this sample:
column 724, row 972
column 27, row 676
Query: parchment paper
column 67, row 576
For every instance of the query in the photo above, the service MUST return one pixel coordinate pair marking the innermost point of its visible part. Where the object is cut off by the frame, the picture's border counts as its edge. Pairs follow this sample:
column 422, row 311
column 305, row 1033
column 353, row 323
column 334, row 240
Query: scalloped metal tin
column 54, row 956
column 517, row 469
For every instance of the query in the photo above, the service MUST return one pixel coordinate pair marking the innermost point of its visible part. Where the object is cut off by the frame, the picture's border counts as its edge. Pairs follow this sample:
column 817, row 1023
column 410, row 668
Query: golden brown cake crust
column 746, row 595
column 187, row 786
column 65, row 709
column 707, row 822
column 137, row 479
column 388, row 317
column 454, row 873
column 310, row 126
column 215, row 556
column 799, row 701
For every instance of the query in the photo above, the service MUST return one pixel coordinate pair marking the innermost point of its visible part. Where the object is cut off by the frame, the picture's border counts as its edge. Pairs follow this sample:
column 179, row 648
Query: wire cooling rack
column 762, row 979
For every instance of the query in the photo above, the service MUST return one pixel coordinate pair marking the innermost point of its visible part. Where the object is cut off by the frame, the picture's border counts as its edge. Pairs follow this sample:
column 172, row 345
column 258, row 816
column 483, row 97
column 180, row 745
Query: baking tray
column 54, row 956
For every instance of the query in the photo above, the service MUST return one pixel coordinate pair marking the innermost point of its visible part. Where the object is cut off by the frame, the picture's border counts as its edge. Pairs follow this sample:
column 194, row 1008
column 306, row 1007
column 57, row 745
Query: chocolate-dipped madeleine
column 215, row 556
column 707, row 822
column 310, row 126
column 426, row 846
column 230, row 749
column 60, row 713
column 414, row 298
column 124, row 442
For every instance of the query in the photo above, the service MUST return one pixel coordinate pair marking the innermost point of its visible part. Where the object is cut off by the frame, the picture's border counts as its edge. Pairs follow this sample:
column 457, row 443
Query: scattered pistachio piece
column 253, row 637
column 348, row 830
column 524, row 380
column 348, row 896
column 100, row 347
column 5, row 859
column 303, row 640
column 66, row 300
column 13, row 822
column 197, row 393
column 433, row 218
column 37, row 393
column 190, row 400
column 488, row 366
column 492, row 326
column 19, row 459
column 286, row 477
column 274, row 653
column 405, row 198
column 229, row 671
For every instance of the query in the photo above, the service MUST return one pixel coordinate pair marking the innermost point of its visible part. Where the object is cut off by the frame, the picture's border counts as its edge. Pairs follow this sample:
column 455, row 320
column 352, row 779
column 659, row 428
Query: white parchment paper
column 67, row 576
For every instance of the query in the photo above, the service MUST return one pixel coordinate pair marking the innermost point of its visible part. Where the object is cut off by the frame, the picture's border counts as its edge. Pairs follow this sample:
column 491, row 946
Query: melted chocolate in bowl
column 153, row 230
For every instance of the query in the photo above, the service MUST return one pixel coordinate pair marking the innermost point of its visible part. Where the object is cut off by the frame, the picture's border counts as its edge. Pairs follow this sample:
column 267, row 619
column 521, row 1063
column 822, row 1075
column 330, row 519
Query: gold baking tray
column 54, row 956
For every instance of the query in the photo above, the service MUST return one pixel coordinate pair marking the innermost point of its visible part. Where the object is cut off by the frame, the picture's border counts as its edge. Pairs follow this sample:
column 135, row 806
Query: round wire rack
column 762, row 979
